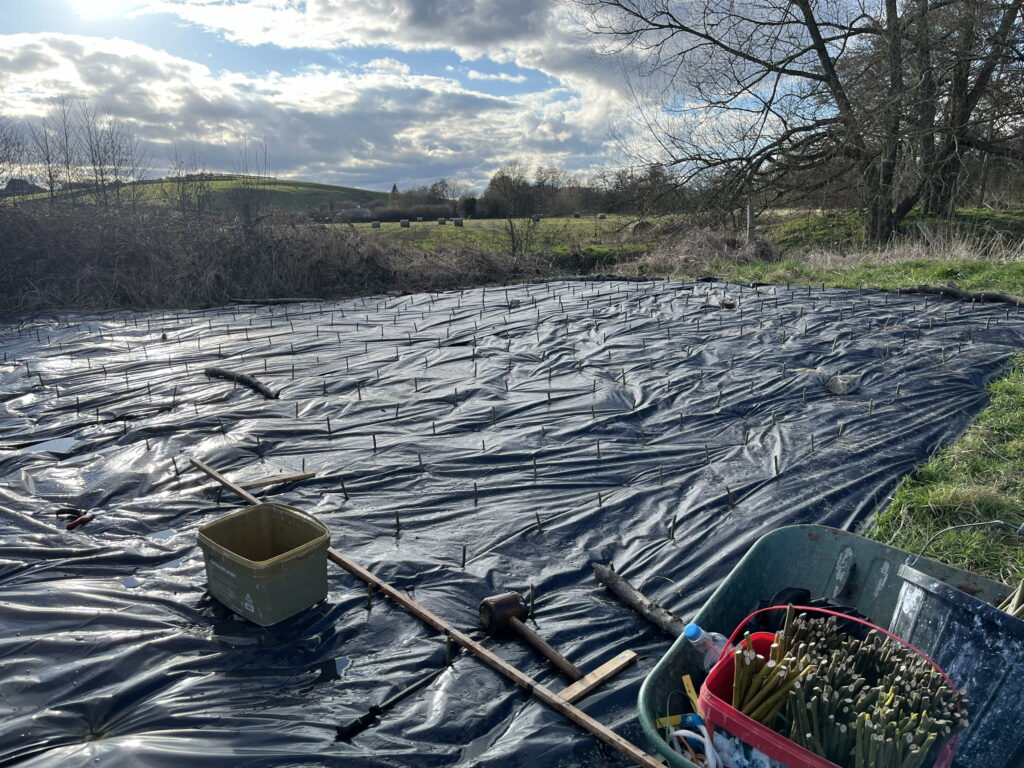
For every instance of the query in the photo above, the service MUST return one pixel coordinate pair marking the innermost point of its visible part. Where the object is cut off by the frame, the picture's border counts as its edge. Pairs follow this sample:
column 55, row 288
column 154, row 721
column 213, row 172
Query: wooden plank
column 224, row 481
column 591, row 680
column 546, row 695
column 261, row 482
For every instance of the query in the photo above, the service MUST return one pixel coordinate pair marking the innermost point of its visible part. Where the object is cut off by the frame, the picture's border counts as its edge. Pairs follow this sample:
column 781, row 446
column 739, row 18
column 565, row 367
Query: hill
column 287, row 194
column 283, row 194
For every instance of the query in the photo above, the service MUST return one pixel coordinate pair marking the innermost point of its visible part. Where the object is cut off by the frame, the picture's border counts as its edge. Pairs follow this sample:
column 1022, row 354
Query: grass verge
column 968, row 274
column 979, row 477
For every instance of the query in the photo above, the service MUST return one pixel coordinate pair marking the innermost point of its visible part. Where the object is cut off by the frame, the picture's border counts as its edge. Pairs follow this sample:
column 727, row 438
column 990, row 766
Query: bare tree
column 112, row 156
column 68, row 144
column 45, row 156
column 510, row 190
column 134, row 165
column 761, row 96
column 11, row 150
column 94, row 149
column 187, row 185
column 250, row 195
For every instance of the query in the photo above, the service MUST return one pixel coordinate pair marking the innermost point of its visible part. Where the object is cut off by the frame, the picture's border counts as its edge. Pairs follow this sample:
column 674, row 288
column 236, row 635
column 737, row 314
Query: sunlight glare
column 97, row 9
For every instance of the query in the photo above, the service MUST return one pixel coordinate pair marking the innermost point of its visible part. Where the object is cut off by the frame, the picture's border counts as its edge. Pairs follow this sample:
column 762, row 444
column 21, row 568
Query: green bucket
column 267, row 562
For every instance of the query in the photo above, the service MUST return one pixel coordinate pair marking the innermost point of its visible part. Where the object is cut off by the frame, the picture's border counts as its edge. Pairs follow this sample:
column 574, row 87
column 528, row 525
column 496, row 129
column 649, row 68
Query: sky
column 364, row 93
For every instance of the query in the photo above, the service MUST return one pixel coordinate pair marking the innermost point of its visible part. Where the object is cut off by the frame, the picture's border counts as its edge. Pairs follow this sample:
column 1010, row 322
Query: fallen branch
column 242, row 378
column 955, row 293
column 635, row 599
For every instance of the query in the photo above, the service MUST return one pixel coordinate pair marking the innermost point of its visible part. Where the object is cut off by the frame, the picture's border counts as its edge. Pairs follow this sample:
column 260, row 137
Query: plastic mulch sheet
column 663, row 426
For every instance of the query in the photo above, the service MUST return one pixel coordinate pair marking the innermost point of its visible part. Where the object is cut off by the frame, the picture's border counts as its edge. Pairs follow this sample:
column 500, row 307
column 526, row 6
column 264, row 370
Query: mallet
column 507, row 611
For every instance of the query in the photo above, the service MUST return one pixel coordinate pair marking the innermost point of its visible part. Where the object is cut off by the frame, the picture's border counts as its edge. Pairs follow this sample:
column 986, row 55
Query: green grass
column 579, row 245
column 968, row 274
column 284, row 194
column 978, row 478
column 829, row 229
column 844, row 230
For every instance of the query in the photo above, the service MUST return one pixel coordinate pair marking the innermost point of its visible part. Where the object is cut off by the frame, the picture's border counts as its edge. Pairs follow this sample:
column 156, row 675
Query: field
column 283, row 194
column 593, row 243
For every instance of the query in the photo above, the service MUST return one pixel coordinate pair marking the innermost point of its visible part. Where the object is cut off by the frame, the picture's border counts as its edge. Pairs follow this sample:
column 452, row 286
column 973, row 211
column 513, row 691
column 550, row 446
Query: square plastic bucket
column 267, row 562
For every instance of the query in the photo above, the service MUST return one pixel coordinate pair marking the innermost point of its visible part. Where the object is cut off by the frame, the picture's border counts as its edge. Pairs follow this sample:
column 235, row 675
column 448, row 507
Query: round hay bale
column 404, row 223
column 374, row 225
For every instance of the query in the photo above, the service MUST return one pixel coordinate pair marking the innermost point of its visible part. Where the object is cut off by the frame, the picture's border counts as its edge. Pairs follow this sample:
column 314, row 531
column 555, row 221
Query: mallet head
column 496, row 610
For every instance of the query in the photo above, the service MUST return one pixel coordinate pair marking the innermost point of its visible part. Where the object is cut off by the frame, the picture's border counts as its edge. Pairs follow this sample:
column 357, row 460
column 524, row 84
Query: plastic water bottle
column 709, row 644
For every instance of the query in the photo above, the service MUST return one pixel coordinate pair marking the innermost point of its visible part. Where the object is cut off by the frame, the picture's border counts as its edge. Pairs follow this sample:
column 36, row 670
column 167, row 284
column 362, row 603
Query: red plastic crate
column 717, row 710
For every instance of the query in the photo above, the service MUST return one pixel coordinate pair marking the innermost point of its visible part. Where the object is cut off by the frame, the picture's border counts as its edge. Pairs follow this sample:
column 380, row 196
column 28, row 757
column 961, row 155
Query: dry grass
column 92, row 258
column 994, row 262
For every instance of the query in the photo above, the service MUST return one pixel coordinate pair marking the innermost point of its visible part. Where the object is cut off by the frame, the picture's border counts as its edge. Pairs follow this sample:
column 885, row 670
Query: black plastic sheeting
column 603, row 410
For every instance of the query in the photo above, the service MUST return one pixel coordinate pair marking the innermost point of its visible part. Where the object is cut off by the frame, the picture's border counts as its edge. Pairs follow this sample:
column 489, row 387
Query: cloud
column 542, row 35
column 366, row 126
column 475, row 75
column 388, row 65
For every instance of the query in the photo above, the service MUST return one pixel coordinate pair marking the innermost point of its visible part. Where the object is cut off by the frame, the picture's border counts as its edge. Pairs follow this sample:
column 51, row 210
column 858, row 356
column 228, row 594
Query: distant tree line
column 74, row 150
column 78, row 154
column 518, row 191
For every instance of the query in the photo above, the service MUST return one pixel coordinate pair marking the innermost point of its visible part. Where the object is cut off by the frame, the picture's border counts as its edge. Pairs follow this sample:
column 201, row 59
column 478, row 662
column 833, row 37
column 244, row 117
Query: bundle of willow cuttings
column 860, row 703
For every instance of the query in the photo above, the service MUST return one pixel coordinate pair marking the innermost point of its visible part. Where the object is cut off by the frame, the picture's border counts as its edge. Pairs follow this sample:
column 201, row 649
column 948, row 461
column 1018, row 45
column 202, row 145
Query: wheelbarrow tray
column 830, row 563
